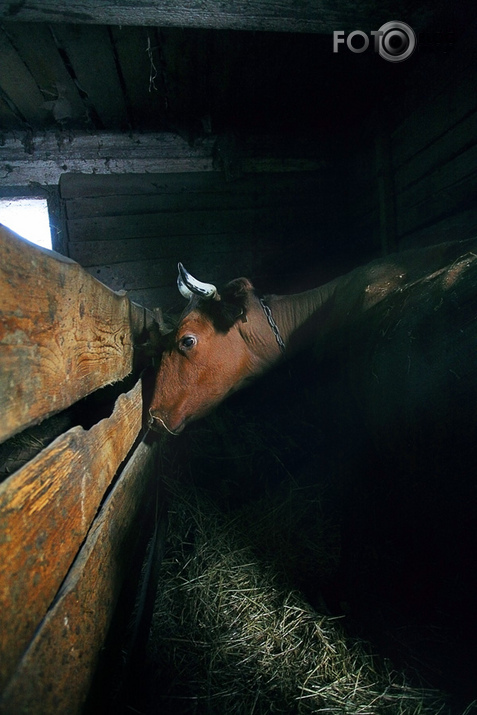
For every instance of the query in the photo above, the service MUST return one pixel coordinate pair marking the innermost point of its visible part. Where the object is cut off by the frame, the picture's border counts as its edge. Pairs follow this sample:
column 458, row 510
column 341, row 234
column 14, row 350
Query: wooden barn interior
column 237, row 138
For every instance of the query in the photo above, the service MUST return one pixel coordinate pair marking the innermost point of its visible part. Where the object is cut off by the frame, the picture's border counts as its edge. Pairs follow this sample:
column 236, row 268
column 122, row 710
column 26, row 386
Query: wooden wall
column 75, row 515
column 434, row 159
column 412, row 167
column 129, row 231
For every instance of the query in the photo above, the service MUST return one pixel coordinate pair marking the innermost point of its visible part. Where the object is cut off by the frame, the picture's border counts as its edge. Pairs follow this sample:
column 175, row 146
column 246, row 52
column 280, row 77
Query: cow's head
column 216, row 348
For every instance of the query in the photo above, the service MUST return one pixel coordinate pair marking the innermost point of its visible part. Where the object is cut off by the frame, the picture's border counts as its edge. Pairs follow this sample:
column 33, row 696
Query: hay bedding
column 231, row 635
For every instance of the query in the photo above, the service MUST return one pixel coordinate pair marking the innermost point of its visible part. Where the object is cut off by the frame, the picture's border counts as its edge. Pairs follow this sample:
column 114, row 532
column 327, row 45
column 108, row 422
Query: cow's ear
column 233, row 303
column 237, row 290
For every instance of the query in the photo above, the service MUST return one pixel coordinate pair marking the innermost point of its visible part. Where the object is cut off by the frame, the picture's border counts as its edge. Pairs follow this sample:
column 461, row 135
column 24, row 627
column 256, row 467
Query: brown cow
column 226, row 339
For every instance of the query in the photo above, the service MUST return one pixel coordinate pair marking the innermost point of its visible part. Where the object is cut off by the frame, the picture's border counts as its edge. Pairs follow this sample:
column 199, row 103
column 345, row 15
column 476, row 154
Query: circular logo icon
column 397, row 41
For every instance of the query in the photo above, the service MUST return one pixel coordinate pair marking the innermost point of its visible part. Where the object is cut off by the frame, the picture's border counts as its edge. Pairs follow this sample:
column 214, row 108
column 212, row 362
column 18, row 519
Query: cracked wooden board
column 63, row 334
column 55, row 672
column 46, row 510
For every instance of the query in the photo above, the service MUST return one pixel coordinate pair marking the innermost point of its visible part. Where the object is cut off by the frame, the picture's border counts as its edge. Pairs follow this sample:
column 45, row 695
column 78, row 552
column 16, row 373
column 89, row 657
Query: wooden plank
column 63, row 334
column 147, row 101
column 253, row 191
column 439, row 193
column 105, row 145
column 130, row 153
column 434, row 119
column 285, row 16
column 46, row 510
column 8, row 119
column 18, row 84
column 101, row 153
column 98, row 253
column 226, row 53
column 28, row 172
column 82, row 186
column 181, row 48
column 56, row 671
column 455, row 141
column 167, row 297
column 127, row 205
column 185, row 222
column 218, row 267
column 457, row 197
column 460, row 226
column 446, row 59
column 88, row 47
column 34, row 43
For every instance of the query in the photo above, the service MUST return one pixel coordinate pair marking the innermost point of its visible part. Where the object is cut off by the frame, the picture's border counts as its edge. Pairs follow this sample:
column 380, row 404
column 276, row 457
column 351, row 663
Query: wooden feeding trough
column 74, row 517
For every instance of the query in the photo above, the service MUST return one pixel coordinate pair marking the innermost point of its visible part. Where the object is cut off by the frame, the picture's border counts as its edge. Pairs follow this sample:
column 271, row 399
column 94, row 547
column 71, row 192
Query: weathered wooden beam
column 46, row 509
column 17, row 82
column 56, row 670
column 89, row 47
column 285, row 16
column 63, row 334
column 439, row 194
column 43, row 158
column 180, row 223
column 47, row 157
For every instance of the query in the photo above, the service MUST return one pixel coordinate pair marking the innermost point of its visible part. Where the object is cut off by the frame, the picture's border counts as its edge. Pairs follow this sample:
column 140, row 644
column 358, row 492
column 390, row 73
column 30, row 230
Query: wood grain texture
column 88, row 47
column 457, row 139
column 441, row 193
column 56, row 671
column 62, row 333
column 199, row 191
column 430, row 120
column 210, row 185
column 103, row 153
column 168, row 248
column 111, row 153
column 283, row 16
column 17, row 81
column 34, row 43
column 46, row 509
column 176, row 223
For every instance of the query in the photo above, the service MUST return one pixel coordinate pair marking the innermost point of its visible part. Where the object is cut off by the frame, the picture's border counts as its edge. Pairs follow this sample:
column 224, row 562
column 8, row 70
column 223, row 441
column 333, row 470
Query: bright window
column 27, row 217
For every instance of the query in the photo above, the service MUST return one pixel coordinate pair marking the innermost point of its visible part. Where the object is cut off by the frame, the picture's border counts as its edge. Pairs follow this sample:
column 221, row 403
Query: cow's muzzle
column 157, row 423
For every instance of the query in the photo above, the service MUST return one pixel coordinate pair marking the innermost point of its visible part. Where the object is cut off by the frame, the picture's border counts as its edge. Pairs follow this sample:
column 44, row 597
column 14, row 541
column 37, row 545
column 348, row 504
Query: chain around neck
column 273, row 325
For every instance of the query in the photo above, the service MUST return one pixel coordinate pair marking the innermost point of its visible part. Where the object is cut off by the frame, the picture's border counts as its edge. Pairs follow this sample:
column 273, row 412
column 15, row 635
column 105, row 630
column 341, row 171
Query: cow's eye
column 187, row 342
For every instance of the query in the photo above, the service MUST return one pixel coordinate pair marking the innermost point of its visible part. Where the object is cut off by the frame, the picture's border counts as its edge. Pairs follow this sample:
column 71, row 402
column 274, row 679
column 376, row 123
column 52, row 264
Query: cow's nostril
column 157, row 423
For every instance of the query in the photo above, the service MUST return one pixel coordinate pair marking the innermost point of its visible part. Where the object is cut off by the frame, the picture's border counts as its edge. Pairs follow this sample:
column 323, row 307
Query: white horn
column 189, row 286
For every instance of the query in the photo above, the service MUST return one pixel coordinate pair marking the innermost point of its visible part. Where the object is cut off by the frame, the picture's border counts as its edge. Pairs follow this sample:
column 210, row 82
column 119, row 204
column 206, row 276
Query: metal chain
column 273, row 325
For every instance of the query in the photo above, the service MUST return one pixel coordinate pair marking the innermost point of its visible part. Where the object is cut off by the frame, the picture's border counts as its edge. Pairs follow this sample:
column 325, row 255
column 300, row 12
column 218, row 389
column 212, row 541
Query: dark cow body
column 225, row 339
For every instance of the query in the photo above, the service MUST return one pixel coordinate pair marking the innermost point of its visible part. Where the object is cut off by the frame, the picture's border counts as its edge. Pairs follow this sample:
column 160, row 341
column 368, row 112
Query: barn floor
column 380, row 541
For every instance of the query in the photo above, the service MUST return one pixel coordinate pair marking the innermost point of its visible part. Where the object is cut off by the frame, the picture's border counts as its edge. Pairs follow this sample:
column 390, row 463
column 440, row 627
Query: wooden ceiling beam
column 40, row 159
column 314, row 16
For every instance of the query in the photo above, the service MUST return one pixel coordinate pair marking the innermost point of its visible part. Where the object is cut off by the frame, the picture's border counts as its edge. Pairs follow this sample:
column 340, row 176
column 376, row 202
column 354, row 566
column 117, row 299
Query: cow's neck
column 302, row 316
column 298, row 317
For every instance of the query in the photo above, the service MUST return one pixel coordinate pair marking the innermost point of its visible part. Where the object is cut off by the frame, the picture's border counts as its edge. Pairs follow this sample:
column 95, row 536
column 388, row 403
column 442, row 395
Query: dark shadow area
column 396, row 517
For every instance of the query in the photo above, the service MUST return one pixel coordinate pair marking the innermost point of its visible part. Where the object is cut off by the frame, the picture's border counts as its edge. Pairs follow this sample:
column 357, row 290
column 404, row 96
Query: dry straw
column 231, row 636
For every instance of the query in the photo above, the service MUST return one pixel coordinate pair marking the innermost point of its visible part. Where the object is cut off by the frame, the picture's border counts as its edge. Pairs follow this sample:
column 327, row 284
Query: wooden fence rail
column 66, row 544
column 63, row 334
